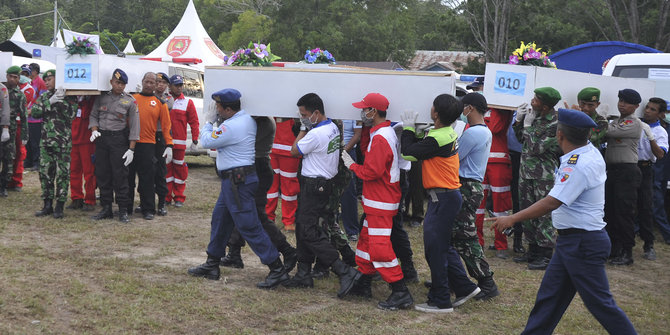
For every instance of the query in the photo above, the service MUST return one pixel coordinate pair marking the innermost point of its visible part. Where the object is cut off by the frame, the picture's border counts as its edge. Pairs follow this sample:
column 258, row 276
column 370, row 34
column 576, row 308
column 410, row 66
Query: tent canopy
column 590, row 57
column 130, row 49
column 18, row 35
column 189, row 40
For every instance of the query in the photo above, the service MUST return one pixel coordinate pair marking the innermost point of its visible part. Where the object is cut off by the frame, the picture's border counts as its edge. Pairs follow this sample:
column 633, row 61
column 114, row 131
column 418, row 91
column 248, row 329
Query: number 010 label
column 77, row 73
column 511, row 83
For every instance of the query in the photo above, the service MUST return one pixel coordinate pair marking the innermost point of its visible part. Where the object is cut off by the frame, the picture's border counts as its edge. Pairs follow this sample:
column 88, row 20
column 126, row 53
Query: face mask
column 367, row 121
column 307, row 122
column 464, row 117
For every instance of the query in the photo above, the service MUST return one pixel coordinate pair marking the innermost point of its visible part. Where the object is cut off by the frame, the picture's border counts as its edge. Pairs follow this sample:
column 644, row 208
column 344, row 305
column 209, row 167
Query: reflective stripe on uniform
column 500, row 189
column 379, row 231
column 179, row 181
column 380, row 205
column 281, row 146
column 480, row 211
column 273, row 195
column 497, row 155
column 169, row 179
column 182, row 142
column 178, row 162
column 288, row 174
column 390, row 264
column 362, row 254
column 289, row 197
column 500, row 213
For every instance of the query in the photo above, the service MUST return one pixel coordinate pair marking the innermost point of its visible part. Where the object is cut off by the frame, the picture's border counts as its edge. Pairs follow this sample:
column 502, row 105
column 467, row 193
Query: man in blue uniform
column 577, row 204
column 234, row 141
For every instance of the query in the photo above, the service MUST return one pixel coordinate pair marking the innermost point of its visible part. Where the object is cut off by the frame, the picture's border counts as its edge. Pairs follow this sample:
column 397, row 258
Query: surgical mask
column 464, row 117
column 307, row 122
column 367, row 121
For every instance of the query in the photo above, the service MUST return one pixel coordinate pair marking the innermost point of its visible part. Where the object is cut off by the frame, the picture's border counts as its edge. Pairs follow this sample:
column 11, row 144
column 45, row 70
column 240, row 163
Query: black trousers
column 645, row 204
column 312, row 240
column 416, row 194
column 161, row 169
column 33, row 146
column 264, row 172
column 110, row 174
column 399, row 237
column 144, row 165
column 514, row 188
column 620, row 204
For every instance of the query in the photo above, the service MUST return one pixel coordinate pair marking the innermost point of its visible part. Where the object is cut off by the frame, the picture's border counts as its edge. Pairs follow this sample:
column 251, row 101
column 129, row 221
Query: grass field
column 77, row 276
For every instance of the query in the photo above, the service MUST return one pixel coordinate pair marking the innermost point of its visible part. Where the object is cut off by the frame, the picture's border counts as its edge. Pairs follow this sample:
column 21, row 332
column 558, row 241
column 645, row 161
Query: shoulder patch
column 573, row 159
column 566, row 169
column 565, row 177
column 217, row 133
column 625, row 122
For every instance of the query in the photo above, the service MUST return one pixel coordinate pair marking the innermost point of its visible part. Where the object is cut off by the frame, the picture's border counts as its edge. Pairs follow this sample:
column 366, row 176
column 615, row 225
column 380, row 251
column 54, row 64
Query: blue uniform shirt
column 474, row 146
column 579, row 183
column 234, row 141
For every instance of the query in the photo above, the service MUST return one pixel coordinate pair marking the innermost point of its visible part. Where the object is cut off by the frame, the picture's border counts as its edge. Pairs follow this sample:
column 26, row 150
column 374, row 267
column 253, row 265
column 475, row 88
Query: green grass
column 76, row 276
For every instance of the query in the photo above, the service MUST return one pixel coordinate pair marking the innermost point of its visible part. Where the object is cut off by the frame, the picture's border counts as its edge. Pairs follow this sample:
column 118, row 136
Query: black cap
column 630, row 96
column 476, row 100
column 479, row 82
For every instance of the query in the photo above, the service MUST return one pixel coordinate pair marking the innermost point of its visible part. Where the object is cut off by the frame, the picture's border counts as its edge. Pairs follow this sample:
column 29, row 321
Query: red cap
column 373, row 100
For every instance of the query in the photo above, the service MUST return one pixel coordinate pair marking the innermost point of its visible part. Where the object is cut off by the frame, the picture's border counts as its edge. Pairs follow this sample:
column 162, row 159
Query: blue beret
column 574, row 118
column 120, row 75
column 630, row 96
column 176, row 80
column 163, row 76
column 227, row 95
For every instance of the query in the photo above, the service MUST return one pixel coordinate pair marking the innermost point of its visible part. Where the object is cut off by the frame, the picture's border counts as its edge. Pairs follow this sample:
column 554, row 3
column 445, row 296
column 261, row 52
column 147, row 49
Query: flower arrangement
column 80, row 46
column 529, row 54
column 256, row 54
column 318, row 56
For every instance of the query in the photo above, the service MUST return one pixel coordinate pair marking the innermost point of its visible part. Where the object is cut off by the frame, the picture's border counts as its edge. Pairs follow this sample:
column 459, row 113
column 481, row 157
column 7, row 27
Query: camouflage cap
column 14, row 70
column 589, row 94
column 548, row 95
column 49, row 73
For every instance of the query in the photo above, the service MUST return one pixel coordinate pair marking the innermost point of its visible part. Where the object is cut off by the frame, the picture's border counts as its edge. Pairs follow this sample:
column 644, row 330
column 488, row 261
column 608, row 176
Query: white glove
column 647, row 131
column 408, row 118
column 528, row 121
column 211, row 115
column 24, row 142
column 5, row 135
column 194, row 146
column 94, row 134
column 347, row 159
column 58, row 96
column 168, row 155
column 420, row 128
column 128, row 156
column 522, row 111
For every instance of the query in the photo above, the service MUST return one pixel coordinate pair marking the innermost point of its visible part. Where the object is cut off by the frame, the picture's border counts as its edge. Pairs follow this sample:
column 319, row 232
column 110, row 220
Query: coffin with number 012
column 91, row 73
column 508, row 86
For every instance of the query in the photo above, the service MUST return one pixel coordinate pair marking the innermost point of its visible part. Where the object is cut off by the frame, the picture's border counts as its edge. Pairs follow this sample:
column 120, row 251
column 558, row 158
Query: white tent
column 70, row 35
column 189, row 41
column 18, row 35
column 130, row 49
column 59, row 42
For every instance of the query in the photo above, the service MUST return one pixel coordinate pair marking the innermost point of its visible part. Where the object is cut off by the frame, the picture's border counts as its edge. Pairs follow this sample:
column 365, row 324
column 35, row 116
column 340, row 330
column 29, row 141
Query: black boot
column 400, row 297
column 3, row 189
column 162, row 209
column 209, row 269
column 124, row 216
column 625, row 258
column 76, row 204
column 47, row 209
column 542, row 260
column 303, row 278
column 276, row 276
column 320, row 270
column 290, row 259
column 528, row 256
column 363, row 287
column 518, row 244
column 58, row 211
column 488, row 287
column 105, row 213
column 233, row 259
column 348, row 276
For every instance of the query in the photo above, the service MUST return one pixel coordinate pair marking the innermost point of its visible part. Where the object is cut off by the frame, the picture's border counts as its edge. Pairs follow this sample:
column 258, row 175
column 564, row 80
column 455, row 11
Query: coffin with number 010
column 274, row 91
column 91, row 73
column 508, row 86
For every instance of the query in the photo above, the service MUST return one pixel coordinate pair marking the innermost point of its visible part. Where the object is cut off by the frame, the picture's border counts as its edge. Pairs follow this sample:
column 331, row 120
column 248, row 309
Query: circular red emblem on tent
column 213, row 48
column 178, row 45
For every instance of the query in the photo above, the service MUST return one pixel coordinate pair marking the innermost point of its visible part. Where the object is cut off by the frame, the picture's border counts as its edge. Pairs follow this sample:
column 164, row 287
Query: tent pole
column 55, row 21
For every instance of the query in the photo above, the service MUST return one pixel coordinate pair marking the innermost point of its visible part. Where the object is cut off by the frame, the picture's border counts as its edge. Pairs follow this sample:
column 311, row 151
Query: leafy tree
column 250, row 26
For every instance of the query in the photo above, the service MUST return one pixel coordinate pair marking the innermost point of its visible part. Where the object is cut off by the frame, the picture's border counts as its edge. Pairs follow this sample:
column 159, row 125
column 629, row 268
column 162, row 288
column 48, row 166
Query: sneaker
column 649, row 254
column 429, row 307
column 178, row 204
column 461, row 300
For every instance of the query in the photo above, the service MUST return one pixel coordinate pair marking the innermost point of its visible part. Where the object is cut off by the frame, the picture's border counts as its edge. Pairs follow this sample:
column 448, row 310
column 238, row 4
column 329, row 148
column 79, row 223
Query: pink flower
column 513, row 60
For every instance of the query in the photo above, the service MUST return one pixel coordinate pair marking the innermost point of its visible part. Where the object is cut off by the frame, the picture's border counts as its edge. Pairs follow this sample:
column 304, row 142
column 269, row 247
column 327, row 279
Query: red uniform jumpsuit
column 17, row 176
column 498, row 177
column 285, row 180
column 81, row 156
column 381, row 199
column 183, row 113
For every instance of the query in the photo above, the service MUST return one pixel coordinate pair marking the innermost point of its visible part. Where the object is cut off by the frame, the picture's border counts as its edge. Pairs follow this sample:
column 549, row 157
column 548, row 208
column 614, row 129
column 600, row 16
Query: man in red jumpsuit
column 182, row 114
column 16, row 184
column 498, row 177
column 81, row 158
column 285, row 180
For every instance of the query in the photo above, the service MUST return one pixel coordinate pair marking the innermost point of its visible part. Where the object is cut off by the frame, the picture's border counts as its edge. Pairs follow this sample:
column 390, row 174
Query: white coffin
column 5, row 63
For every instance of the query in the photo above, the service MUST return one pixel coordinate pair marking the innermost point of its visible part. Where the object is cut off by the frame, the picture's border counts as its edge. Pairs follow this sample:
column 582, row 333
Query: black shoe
column 148, row 216
column 3, row 190
column 76, row 204
column 362, row 287
column 303, row 278
column 47, row 209
column 276, row 276
column 58, row 211
column 428, row 284
column 123, row 217
column 209, row 269
column 649, row 254
column 290, row 259
column 162, row 210
column 625, row 258
column 320, row 271
column 400, row 298
column 529, row 256
column 348, row 276
column 105, row 213
column 138, row 209
column 88, row 207
column 488, row 287
column 233, row 259
column 543, row 259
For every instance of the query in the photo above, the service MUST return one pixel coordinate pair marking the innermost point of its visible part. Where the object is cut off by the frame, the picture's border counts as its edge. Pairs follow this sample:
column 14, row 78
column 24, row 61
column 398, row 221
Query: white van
column 652, row 66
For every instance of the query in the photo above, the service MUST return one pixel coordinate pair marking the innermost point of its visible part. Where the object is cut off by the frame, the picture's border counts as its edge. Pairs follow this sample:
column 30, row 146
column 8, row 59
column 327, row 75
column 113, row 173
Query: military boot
column 3, row 189
column 303, row 278
column 47, row 209
column 400, row 297
column 528, row 256
column 276, row 276
column 363, row 287
column 233, row 259
column 76, row 204
column 209, row 269
column 290, row 259
column 518, row 244
column 625, row 258
column 348, row 276
column 162, row 209
column 542, row 260
column 105, row 213
column 488, row 287
column 58, row 211
column 320, row 270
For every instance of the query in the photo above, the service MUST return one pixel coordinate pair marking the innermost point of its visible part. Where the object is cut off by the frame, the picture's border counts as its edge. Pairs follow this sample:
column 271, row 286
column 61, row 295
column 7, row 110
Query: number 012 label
column 511, row 83
column 77, row 73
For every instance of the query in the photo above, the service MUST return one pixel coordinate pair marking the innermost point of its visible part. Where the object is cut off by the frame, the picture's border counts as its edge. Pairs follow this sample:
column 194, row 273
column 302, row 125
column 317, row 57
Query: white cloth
column 644, row 148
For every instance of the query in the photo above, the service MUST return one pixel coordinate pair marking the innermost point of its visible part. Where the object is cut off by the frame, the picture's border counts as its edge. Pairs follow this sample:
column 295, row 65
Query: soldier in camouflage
column 589, row 101
column 15, row 101
column 536, row 130
column 57, row 112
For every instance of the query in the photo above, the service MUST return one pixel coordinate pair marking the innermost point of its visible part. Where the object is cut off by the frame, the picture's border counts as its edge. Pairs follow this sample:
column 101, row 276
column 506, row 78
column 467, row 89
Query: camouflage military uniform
column 464, row 232
column 539, row 160
column 55, row 145
column 598, row 133
column 17, row 109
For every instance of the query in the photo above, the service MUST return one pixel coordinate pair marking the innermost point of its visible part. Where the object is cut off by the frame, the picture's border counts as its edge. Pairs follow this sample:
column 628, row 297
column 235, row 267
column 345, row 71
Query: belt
column 112, row 132
column 225, row 174
column 469, row 180
column 441, row 190
column 571, row 231
column 644, row 163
